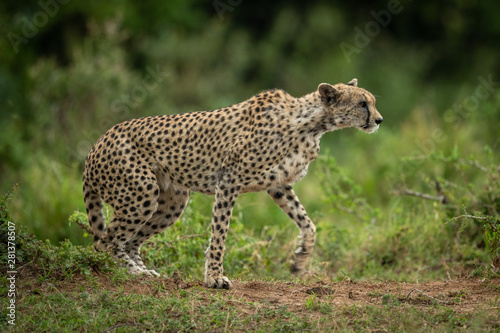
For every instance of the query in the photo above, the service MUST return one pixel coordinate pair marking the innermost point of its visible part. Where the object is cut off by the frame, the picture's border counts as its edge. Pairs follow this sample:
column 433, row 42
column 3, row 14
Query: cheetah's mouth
column 369, row 129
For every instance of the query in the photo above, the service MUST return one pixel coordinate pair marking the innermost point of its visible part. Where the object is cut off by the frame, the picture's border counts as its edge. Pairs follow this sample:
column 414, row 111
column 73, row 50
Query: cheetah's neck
column 311, row 117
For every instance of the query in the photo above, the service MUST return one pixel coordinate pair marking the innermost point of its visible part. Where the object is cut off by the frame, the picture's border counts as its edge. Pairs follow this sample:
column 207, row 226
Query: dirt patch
column 462, row 295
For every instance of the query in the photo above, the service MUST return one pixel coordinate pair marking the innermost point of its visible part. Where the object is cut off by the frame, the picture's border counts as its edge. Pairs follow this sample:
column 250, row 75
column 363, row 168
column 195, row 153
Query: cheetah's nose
column 379, row 120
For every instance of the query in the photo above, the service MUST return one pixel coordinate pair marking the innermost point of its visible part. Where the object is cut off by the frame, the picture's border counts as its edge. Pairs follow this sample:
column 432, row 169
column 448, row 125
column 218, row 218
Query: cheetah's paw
column 152, row 272
column 135, row 270
column 221, row 282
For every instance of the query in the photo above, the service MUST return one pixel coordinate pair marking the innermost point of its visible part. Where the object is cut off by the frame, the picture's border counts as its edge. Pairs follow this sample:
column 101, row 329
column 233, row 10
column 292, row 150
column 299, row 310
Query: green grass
column 95, row 308
column 71, row 288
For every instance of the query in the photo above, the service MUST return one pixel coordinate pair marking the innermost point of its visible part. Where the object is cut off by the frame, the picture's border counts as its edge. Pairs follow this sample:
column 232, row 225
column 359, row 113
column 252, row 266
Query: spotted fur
column 145, row 168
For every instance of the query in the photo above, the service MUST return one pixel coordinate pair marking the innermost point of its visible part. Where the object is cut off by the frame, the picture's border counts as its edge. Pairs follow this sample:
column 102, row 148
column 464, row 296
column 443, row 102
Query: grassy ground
column 70, row 288
column 116, row 303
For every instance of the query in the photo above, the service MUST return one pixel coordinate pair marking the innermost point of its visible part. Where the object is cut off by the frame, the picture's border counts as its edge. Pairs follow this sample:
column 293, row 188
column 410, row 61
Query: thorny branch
column 483, row 218
column 440, row 197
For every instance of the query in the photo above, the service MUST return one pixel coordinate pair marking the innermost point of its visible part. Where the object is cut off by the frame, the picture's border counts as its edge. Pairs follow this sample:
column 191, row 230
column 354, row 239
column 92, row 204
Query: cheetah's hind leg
column 93, row 206
column 114, row 241
column 172, row 201
column 96, row 219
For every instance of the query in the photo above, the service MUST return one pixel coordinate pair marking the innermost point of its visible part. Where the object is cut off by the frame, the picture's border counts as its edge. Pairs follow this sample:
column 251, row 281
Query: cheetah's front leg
column 221, row 214
column 290, row 204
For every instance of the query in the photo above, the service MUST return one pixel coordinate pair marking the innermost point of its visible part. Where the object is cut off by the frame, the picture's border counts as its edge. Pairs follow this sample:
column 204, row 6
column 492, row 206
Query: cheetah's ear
column 328, row 93
column 353, row 82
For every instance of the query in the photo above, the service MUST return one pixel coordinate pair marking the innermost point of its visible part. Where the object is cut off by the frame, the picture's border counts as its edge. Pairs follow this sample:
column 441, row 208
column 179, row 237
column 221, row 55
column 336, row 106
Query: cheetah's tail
column 93, row 204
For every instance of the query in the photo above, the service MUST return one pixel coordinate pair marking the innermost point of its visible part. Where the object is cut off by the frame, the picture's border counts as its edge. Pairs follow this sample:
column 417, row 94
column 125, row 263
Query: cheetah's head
column 347, row 105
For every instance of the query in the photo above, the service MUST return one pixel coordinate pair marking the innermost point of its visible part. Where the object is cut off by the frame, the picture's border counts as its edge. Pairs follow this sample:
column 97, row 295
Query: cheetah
column 145, row 168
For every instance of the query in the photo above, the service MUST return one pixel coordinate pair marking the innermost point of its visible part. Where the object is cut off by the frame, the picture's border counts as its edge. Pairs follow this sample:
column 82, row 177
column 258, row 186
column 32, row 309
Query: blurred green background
column 70, row 70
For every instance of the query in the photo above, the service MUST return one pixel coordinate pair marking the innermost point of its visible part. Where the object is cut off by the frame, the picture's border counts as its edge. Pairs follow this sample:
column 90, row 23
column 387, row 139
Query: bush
column 47, row 261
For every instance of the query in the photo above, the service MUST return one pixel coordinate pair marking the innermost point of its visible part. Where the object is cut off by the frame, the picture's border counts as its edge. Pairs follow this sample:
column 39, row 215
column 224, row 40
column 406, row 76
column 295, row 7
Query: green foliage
column 50, row 262
column 313, row 303
column 13, row 233
column 491, row 225
column 65, row 260
column 468, row 186
column 4, row 208
column 480, row 197
column 104, row 65
column 341, row 192
column 42, row 205
column 394, row 242
column 80, row 219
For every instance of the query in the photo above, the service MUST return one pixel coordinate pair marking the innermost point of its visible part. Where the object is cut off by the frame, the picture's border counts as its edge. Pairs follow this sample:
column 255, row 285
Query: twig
column 349, row 211
column 35, row 259
column 483, row 218
column 474, row 217
column 84, row 226
column 429, row 296
column 474, row 164
column 439, row 198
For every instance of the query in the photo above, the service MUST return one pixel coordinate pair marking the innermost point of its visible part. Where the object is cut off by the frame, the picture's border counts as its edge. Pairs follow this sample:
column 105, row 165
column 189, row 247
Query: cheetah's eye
column 362, row 104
